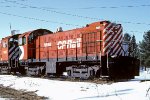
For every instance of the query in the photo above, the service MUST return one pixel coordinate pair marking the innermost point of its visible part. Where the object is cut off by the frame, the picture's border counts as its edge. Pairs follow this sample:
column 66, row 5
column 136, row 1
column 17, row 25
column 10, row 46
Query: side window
column 22, row 41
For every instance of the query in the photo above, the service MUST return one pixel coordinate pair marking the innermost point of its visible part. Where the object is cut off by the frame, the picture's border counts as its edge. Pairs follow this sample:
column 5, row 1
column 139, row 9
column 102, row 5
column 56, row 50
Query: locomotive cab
column 27, row 43
column 32, row 38
column 28, row 50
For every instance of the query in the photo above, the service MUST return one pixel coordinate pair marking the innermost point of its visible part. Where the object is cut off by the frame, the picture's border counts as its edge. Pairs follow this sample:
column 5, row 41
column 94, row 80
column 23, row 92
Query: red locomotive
column 92, row 51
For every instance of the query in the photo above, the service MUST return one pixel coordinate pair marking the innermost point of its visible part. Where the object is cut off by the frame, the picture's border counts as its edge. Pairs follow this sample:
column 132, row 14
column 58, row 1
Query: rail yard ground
column 9, row 93
column 27, row 88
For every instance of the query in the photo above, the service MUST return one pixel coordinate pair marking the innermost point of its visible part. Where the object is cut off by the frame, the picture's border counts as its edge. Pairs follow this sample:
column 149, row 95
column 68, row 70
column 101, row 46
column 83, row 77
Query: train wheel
column 39, row 72
column 22, row 71
column 13, row 71
column 43, row 71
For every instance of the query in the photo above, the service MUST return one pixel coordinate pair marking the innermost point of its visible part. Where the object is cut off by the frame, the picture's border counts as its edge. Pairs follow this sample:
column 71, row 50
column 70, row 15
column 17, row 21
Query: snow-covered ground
column 64, row 90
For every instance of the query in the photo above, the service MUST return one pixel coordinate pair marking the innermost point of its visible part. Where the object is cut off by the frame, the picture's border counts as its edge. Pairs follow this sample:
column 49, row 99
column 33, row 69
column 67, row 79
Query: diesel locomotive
column 96, row 50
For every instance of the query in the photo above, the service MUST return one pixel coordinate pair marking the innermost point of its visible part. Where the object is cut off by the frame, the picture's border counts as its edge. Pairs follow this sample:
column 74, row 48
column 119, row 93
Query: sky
column 27, row 15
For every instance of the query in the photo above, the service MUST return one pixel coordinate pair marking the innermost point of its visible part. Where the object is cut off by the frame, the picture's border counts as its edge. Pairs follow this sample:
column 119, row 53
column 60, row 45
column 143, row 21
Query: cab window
column 22, row 41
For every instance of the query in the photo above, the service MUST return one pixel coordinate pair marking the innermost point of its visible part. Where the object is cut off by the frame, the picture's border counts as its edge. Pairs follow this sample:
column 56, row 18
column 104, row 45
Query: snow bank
column 64, row 90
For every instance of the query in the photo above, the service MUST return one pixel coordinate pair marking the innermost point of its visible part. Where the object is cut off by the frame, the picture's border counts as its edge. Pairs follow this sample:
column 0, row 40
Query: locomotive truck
column 96, row 50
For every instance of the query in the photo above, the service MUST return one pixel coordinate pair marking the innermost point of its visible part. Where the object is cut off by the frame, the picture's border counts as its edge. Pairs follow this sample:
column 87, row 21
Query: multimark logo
column 72, row 43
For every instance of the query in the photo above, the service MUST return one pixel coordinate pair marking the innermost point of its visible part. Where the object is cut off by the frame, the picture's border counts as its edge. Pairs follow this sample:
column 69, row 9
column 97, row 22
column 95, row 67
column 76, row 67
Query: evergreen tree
column 145, row 49
column 134, row 47
column 127, row 37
